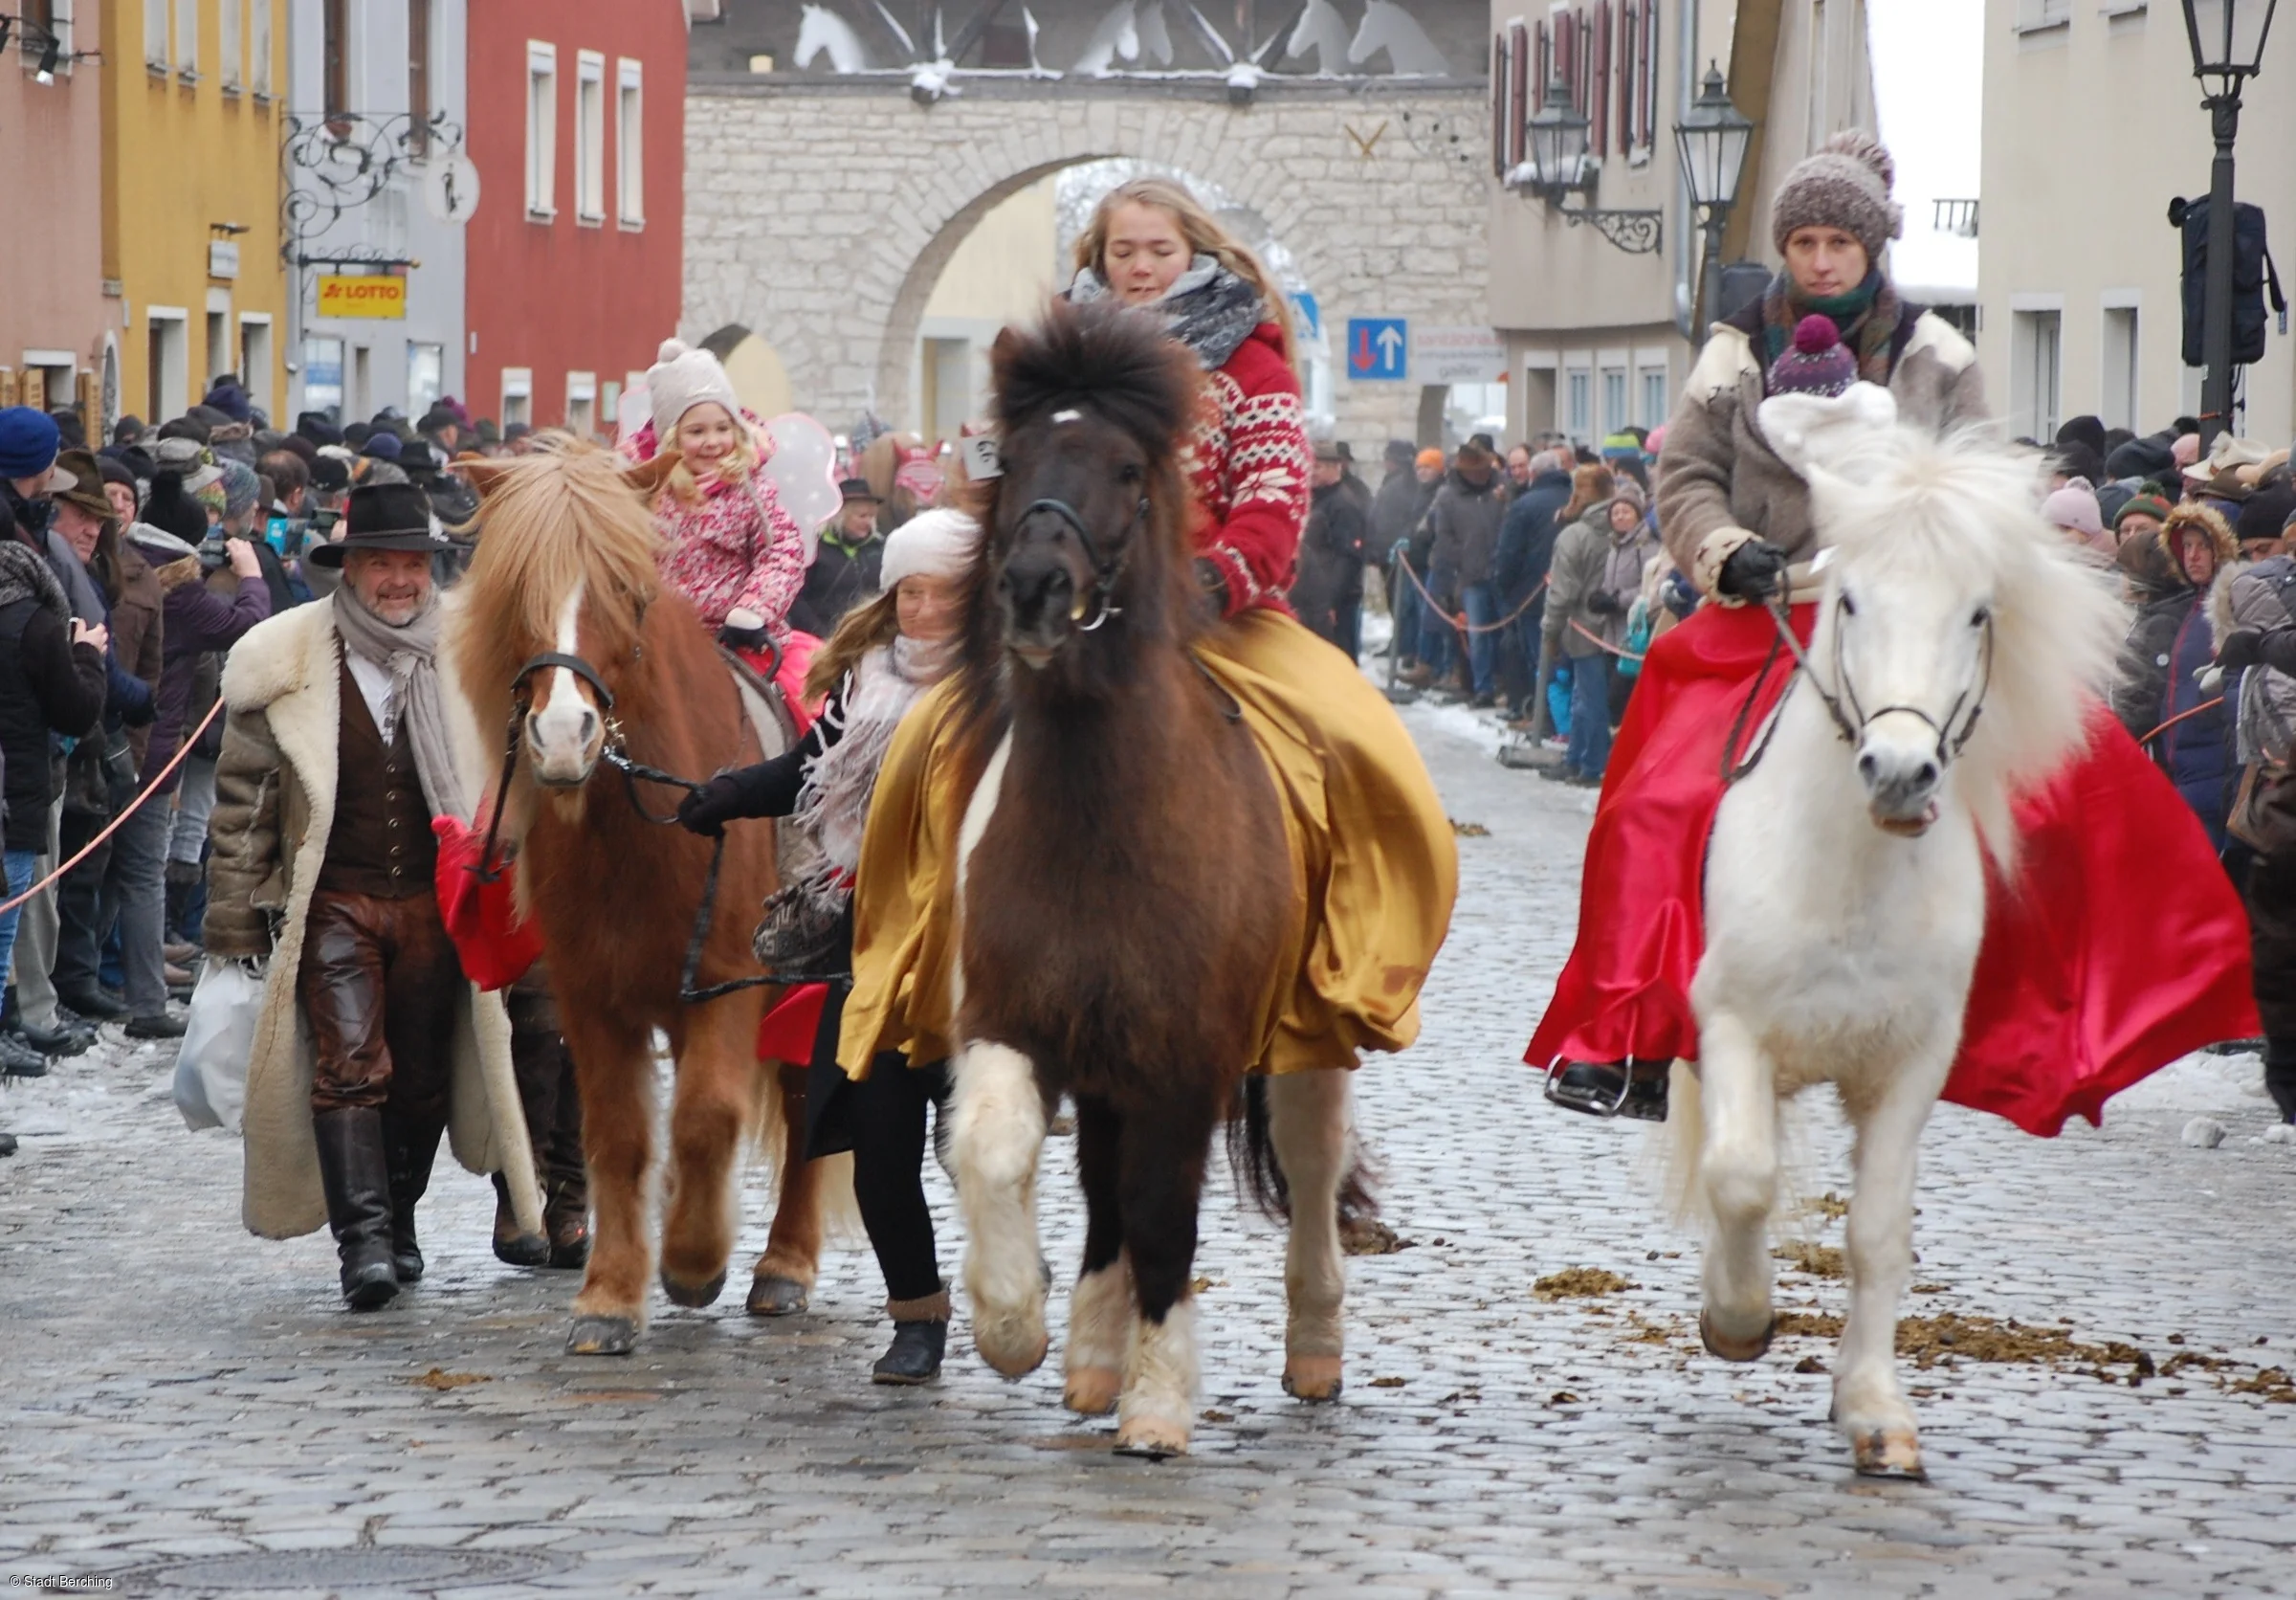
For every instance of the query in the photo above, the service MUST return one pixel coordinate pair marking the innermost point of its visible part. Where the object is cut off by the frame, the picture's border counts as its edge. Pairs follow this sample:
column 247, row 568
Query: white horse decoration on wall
column 1959, row 648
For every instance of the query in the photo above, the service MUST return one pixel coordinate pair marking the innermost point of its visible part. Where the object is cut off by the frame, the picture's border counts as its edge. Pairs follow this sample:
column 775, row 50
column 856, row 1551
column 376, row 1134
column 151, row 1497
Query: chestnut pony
column 1125, row 898
column 565, row 571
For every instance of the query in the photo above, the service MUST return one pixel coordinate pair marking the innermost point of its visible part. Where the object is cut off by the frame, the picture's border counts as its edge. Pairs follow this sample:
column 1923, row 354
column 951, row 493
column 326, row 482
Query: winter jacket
column 1397, row 508
column 2261, row 595
column 48, row 685
column 136, row 638
column 1719, row 482
column 1247, row 463
column 1527, row 536
column 1590, row 559
column 1466, row 523
column 736, row 549
column 1331, row 557
column 194, row 620
column 841, row 576
column 274, row 810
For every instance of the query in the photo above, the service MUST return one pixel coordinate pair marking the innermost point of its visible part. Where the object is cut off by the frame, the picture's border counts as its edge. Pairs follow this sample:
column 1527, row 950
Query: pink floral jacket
column 736, row 550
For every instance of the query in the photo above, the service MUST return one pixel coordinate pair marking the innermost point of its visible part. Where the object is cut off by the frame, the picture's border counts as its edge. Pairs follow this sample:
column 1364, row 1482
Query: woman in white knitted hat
column 883, row 657
column 728, row 546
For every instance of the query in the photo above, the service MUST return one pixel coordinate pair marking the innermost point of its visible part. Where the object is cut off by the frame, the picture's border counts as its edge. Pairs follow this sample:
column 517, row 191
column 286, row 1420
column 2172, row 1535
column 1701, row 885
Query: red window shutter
column 1518, row 92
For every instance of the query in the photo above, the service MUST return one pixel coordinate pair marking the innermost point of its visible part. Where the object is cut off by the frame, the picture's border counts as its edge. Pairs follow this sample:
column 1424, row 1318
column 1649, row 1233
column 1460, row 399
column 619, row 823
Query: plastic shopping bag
column 210, row 1066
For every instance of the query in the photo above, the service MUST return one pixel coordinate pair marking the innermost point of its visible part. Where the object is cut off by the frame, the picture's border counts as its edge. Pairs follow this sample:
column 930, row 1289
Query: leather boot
column 512, row 1246
column 567, row 1220
column 413, row 1148
column 920, row 1336
column 355, row 1172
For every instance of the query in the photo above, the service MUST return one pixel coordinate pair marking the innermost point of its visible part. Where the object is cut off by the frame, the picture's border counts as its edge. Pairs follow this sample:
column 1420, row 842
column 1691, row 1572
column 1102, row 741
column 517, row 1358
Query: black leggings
column 886, row 1112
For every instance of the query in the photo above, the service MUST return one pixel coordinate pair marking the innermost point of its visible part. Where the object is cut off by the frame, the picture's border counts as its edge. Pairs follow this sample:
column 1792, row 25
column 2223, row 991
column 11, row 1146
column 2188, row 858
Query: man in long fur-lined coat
column 343, row 741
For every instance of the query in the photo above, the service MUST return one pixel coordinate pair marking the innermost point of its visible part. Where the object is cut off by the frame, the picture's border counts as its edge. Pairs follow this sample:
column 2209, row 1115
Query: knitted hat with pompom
column 1846, row 186
column 1816, row 362
column 681, row 379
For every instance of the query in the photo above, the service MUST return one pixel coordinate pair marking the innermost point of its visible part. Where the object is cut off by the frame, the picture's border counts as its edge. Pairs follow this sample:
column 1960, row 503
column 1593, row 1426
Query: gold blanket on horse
column 1374, row 867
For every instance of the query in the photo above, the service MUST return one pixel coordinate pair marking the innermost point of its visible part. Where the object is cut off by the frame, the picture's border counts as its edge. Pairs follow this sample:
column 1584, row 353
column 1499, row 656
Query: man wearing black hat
column 344, row 740
column 845, row 564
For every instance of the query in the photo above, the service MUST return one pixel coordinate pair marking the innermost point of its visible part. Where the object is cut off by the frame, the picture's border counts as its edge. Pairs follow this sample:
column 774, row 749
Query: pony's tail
column 1260, row 1176
column 1680, row 1144
column 769, row 1142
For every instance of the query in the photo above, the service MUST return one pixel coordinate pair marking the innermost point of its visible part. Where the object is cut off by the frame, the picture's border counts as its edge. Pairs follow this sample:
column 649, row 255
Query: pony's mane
column 1903, row 501
column 550, row 521
column 1123, row 369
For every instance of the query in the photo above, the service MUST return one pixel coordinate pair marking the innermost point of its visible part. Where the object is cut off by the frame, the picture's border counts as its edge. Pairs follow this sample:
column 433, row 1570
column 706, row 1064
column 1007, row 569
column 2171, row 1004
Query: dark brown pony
column 565, row 570
column 1125, row 896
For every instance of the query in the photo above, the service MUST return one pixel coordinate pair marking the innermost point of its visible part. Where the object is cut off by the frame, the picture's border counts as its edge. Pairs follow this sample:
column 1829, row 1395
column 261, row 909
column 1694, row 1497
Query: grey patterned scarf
column 409, row 654
column 1208, row 308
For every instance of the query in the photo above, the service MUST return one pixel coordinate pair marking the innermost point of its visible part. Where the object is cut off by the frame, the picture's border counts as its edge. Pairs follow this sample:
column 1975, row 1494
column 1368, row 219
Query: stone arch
column 823, row 218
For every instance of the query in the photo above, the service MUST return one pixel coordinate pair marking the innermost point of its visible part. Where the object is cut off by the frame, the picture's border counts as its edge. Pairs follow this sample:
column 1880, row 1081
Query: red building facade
column 573, row 276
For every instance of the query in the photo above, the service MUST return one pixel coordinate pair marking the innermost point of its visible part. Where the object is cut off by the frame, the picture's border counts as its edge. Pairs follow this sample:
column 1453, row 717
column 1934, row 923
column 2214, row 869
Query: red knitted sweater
column 1247, row 464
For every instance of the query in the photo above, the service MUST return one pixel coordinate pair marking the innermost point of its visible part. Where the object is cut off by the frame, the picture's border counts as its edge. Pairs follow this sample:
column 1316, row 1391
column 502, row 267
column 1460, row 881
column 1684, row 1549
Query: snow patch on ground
column 2198, row 1082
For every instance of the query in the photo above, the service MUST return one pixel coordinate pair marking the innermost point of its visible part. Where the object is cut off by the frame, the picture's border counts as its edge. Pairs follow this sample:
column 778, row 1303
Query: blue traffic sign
column 1379, row 348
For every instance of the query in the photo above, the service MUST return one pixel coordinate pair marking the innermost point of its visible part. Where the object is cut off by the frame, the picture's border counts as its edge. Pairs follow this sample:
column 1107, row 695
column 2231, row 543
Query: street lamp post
column 1559, row 167
column 1713, row 138
column 2227, row 37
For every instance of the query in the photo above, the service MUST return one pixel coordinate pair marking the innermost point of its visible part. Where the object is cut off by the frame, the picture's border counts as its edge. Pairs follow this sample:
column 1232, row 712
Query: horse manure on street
column 1818, row 1260
column 1470, row 830
column 1573, row 1282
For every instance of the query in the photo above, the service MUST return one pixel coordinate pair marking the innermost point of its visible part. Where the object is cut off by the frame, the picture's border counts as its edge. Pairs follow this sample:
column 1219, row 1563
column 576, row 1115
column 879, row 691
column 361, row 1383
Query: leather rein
column 615, row 753
column 1105, row 569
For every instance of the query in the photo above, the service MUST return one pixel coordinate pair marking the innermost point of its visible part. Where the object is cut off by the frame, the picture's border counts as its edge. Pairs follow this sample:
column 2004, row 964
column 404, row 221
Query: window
column 609, row 407
column 258, row 46
column 2035, row 14
column 255, row 356
column 541, row 131
column 44, row 20
column 1654, row 396
column 2035, row 342
column 1578, row 411
column 425, row 376
column 1636, row 51
column 234, row 48
column 418, row 79
column 1615, row 415
column 168, row 368
column 155, row 35
column 187, row 39
column 335, row 29
column 629, row 143
column 590, row 136
column 518, row 395
column 219, row 344
column 582, row 404
column 2117, row 404
column 323, row 377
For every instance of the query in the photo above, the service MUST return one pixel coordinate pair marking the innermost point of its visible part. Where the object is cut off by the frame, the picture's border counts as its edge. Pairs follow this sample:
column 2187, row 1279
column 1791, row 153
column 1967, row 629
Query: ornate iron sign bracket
column 336, row 164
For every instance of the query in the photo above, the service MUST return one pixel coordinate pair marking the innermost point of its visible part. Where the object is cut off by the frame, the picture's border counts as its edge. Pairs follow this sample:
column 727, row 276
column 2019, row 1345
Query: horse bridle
column 1106, row 571
column 1849, row 716
column 614, row 751
column 1851, row 723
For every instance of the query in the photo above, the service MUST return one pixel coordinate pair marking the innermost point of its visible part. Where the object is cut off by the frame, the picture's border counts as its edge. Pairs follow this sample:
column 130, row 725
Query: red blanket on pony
column 2118, row 945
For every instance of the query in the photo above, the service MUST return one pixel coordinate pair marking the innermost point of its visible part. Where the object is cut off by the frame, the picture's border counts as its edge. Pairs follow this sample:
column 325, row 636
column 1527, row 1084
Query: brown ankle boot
column 511, row 1245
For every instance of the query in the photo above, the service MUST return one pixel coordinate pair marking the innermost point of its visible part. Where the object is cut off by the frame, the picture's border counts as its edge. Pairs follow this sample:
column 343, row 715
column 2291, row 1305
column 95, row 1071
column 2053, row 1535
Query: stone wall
column 820, row 216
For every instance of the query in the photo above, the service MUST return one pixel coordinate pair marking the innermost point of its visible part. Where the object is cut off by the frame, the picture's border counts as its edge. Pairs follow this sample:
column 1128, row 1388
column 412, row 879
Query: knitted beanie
column 938, row 543
column 2145, row 504
column 1846, row 186
column 682, row 379
column 240, row 490
column 2074, row 507
column 1816, row 362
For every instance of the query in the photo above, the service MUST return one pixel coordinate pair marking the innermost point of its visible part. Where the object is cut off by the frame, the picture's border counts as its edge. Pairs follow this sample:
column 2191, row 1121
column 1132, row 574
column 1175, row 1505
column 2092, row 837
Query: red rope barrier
column 2204, row 706
column 134, row 805
column 1460, row 623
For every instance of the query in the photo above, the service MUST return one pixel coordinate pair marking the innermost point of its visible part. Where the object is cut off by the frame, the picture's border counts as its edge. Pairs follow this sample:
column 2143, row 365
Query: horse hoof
column 1889, row 1453
column 773, row 1295
column 1736, row 1350
column 1312, row 1378
column 603, row 1336
column 1152, row 1438
column 695, row 1295
column 1014, row 1350
column 1092, row 1390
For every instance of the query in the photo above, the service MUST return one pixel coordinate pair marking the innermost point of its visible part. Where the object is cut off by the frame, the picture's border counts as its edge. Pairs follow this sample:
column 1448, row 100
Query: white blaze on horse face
column 565, row 736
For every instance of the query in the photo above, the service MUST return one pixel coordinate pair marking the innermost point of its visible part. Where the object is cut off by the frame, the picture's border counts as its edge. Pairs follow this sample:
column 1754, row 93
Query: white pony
column 1959, row 645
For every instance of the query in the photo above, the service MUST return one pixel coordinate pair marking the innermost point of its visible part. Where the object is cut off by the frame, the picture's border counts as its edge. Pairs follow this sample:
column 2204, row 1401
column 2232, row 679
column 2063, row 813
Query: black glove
column 1213, row 582
column 2243, row 648
column 1752, row 571
column 750, row 640
column 707, row 809
column 1603, row 603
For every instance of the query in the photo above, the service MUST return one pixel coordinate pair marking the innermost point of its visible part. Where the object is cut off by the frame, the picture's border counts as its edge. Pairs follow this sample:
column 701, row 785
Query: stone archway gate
column 820, row 214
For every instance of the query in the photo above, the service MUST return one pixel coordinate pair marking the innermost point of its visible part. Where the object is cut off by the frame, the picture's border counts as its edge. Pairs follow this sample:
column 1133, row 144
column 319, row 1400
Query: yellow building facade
column 194, row 112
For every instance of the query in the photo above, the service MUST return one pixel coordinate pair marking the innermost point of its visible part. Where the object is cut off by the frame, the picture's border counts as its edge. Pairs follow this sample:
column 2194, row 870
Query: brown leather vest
column 380, row 842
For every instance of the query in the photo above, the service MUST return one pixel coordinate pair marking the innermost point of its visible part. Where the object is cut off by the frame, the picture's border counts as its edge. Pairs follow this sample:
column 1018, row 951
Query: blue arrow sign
column 1379, row 348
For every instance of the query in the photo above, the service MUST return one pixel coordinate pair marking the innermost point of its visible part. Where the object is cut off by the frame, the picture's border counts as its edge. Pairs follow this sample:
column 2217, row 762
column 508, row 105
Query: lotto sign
column 1377, row 348
column 383, row 296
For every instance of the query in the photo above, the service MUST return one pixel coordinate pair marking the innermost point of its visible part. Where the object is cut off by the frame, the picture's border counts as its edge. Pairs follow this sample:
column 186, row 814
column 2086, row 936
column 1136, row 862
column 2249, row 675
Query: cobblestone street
column 185, row 1407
